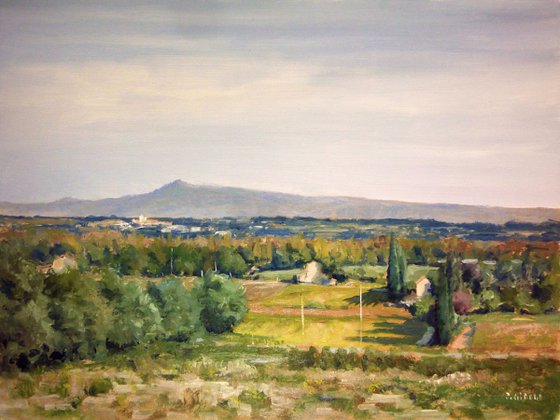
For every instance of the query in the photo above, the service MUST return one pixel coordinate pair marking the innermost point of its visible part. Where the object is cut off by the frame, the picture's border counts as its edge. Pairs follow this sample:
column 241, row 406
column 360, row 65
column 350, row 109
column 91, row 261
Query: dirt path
column 464, row 339
column 368, row 311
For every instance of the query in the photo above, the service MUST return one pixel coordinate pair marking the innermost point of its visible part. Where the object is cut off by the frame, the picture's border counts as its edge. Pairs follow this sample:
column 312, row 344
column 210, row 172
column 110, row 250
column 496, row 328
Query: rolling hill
column 182, row 199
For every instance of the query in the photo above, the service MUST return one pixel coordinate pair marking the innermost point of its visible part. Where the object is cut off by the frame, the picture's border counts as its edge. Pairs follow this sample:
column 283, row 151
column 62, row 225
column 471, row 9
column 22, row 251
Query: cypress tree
column 392, row 269
column 445, row 313
column 396, row 270
column 403, row 276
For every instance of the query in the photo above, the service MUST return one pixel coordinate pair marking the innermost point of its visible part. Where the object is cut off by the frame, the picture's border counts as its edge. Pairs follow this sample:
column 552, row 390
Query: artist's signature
column 523, row 396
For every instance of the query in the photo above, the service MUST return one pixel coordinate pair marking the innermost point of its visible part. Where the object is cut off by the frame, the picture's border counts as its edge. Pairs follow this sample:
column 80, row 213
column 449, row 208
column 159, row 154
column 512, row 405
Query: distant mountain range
column 181, row 199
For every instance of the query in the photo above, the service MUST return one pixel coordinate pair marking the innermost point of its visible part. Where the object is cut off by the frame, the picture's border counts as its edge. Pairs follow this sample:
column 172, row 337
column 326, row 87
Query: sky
column 429, row 101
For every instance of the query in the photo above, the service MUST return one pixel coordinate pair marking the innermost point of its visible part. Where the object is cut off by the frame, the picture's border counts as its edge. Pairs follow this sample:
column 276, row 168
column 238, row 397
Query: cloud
column 438, row 92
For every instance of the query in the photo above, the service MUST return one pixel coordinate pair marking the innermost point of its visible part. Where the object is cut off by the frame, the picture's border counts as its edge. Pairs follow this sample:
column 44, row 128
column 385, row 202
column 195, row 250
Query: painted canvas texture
column 279, row 210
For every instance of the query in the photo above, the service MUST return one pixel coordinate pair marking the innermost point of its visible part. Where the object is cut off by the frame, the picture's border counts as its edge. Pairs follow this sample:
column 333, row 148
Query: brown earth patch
column 368, row 311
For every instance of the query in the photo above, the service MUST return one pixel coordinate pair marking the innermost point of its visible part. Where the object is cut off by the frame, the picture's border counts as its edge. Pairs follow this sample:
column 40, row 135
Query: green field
column 316, row 296
column 282, row 275
column 331, row 319
column 417, row 271
column 383, row 333
column 366, row 270
column 378, row 272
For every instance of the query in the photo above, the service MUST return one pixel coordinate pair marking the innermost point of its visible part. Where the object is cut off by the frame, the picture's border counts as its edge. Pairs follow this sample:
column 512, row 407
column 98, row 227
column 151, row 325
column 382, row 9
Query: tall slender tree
column 445, row 313
column 403, row 269
column 396, row 270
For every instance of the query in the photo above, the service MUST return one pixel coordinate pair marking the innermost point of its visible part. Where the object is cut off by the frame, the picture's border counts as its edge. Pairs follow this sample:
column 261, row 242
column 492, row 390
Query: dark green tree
column 223, row 302
column 447, row 282
column 229, row 260
column 131, row 260
column 187, row 260
column 24, row 323
column 403, row 270
column 418, row 255
column 280, row 260
column 396, row 271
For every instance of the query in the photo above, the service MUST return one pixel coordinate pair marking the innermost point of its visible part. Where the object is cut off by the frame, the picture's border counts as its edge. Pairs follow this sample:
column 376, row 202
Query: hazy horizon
column 432, row 101
column 261, row 190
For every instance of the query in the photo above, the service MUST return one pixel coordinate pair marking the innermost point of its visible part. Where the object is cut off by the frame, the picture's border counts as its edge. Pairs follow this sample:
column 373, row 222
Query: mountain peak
column 175, row 187
column 182, row 199
column 178, row 183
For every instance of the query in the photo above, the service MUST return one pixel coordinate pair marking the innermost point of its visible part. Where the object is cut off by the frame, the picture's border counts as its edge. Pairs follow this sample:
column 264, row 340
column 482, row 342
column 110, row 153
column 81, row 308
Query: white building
column 422, row 286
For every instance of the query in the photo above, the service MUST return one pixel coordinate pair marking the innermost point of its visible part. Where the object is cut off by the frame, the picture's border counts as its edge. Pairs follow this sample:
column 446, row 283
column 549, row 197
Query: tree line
column 135, row 254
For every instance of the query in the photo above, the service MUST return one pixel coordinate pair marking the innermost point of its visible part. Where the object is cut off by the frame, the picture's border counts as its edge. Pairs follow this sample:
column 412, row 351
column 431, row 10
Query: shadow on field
column 407, row 332
column 371, row 297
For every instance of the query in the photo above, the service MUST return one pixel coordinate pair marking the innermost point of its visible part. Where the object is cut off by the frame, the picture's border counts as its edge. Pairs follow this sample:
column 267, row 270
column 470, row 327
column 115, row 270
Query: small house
column 423, row 286
column 313, row 274
column 64, row 263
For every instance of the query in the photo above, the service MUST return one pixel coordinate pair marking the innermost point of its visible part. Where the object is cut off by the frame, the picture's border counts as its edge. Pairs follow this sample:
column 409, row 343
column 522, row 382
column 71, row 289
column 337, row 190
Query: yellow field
column 384, row 333
column 323, row 297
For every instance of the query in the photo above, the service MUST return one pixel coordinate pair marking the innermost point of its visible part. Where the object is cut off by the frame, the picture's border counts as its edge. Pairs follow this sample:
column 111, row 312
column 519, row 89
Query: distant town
column 307, row 227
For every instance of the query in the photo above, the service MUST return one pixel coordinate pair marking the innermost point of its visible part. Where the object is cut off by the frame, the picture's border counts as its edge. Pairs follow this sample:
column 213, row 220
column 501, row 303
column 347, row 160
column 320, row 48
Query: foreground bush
column 25, row 326
column 136, row 318
column 179, row 309
column 223, row 302
column 49, row 318
column 99, row 386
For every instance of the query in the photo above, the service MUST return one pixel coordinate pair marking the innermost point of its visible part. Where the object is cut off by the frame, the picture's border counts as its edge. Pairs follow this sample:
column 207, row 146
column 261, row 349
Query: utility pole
column 171, row 261
column 361, row 313
column 302, row 315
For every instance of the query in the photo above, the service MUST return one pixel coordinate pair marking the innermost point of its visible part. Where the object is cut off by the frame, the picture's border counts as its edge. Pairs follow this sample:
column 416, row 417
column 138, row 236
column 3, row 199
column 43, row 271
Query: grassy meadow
column 243, row 376
column 520, row 334
column 269, row 368
column 315, row 296
column 383, row 332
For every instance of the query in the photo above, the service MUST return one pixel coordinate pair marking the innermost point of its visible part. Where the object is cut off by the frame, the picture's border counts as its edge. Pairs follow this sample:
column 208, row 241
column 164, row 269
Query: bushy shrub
column 223, row 302
column 298, row 359
column 524, row 302
column 461, row 302
column 548, row 290
column 256, row 399
column 25, row 388
column 25, row 326
column 487, row 301
column 178, row 308
column 136, row 316
column 423, row 309
column 345, row 360
column 326, row 359
column 342, row 359
column 81, row 317
column 98, row 386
